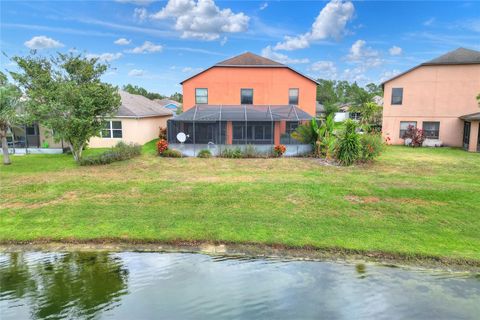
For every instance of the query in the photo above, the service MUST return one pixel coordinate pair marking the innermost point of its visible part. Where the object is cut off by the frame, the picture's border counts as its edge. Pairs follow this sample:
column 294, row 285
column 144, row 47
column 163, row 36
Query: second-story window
column 201, row 96
column 293, row 96
column 246, row 96
column 397, row 95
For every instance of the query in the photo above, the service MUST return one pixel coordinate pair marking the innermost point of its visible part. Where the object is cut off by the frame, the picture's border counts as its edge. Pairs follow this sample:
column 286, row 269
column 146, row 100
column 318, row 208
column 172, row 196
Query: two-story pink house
column 245, row 100
column 438, row 96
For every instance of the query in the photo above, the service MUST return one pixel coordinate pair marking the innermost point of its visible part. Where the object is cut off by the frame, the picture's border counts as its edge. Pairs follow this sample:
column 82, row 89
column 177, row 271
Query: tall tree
column 177, row 97
column 143, row 92
column 9, row 102
column 66, row 95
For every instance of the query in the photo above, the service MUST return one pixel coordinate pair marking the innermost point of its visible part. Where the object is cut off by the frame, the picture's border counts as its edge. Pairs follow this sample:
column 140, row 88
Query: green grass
column 411, row 201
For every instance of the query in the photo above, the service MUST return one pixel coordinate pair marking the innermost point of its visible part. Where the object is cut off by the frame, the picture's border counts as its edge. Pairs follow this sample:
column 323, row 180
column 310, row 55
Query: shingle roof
column 471, row 117
column 249, row 59
column 458, row 56
column 455, row 57
column 137, row 106
column 165, row 102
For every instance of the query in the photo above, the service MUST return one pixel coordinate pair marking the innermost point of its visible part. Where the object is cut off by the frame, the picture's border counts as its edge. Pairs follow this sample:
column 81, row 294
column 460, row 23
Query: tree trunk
column 6, row 156
column 77, row 153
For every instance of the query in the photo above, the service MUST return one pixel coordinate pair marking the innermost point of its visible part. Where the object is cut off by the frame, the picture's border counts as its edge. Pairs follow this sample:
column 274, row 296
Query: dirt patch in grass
column 357, row 199
column 68, row 196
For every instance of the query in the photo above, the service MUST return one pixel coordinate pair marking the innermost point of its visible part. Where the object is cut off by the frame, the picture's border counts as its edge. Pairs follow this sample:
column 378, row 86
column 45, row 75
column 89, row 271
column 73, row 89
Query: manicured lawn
column 411, row 201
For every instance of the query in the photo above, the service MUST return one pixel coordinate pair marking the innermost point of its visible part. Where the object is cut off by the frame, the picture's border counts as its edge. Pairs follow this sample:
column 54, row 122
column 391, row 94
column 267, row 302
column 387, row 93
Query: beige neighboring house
column 138, row 120
column 438, row 96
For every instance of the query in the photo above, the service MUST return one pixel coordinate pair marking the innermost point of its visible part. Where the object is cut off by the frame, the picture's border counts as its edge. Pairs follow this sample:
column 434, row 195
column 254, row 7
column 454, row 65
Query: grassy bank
column 410, row 202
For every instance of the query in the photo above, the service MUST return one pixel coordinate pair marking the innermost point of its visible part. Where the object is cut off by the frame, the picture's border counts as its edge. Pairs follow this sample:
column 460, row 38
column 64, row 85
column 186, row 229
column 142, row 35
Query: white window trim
column 111, row 130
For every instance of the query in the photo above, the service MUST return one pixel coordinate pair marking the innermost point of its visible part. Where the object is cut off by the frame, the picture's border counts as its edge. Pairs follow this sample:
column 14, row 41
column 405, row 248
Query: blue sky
column 157, row 44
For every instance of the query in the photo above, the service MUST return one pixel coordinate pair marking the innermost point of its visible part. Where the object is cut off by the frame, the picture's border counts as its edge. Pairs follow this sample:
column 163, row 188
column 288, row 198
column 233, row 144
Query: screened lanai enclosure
column 217, row 128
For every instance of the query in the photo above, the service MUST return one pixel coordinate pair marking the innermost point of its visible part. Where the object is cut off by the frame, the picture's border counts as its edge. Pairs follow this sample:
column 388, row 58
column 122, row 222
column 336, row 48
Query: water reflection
column 69, row 285
column 191, row 286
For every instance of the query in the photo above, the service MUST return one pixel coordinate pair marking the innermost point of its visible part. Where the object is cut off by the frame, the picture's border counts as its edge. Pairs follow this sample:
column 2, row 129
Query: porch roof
column 471, row 117
column 207, row 113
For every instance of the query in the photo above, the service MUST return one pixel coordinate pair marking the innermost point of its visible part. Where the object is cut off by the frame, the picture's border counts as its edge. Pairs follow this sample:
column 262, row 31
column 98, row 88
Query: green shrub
column 120, row 152
column 371, row 146
column 170, row 153
column 232, row 153
column 205, row 153
column 250, row 152
column 348, row 145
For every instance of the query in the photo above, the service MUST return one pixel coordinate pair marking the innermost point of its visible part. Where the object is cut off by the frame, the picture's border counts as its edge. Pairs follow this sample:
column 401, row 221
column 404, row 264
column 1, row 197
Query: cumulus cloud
column 330, row 23
column 395, row 51
column 136, row 73
column 191, row 70
column 202, row 19
column 147, row 47
column 324, row 69
column 105, row 57
column 355, row 74
column 140, row 14
column 264, row 6
column 360, row 53
column 269, row 53
column 122, row 41
column 42, row 42
column 429, row 22
column 389, row 74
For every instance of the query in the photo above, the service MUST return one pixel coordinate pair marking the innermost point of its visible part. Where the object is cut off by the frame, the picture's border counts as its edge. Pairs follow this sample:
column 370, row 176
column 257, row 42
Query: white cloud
column 366, row 56
column 43, row 42
column 330, row 23
column 122, row 41
column 191, row 70
column 140, row 14
column 429, row 22
column 355, row 75
column 395, row 51
column 147, row 46
column 105, row 57
column 389, row 74
column 269, row 53
column 137, row 2
column 136, row 73
column 264, row 6
column 202, row 19
column 324, row 69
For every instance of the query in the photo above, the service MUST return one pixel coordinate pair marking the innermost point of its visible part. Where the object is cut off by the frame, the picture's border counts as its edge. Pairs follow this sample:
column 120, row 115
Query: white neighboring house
column 138, row 120
column 345, row 114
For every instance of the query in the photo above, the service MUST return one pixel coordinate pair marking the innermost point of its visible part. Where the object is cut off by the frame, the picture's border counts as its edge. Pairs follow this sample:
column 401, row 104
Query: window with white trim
column 293, row 96
column 404, row 127
column 431, row 129
column 201, row 96
column 397, row 96
column 112, row 129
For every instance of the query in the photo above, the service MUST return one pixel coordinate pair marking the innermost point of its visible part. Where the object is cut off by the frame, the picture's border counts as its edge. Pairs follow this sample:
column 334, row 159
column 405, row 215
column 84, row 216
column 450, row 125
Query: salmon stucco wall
column 270, row 87
column 138, row 131
column 433, row 93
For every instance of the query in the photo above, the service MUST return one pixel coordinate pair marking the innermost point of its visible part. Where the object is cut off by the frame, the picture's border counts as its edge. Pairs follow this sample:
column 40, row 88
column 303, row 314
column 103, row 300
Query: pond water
column 131, row 285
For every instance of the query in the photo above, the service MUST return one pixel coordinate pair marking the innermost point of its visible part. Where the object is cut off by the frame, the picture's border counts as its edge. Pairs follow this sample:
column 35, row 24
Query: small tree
column 9, row 102
column 348, row 144
column 66, row 95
